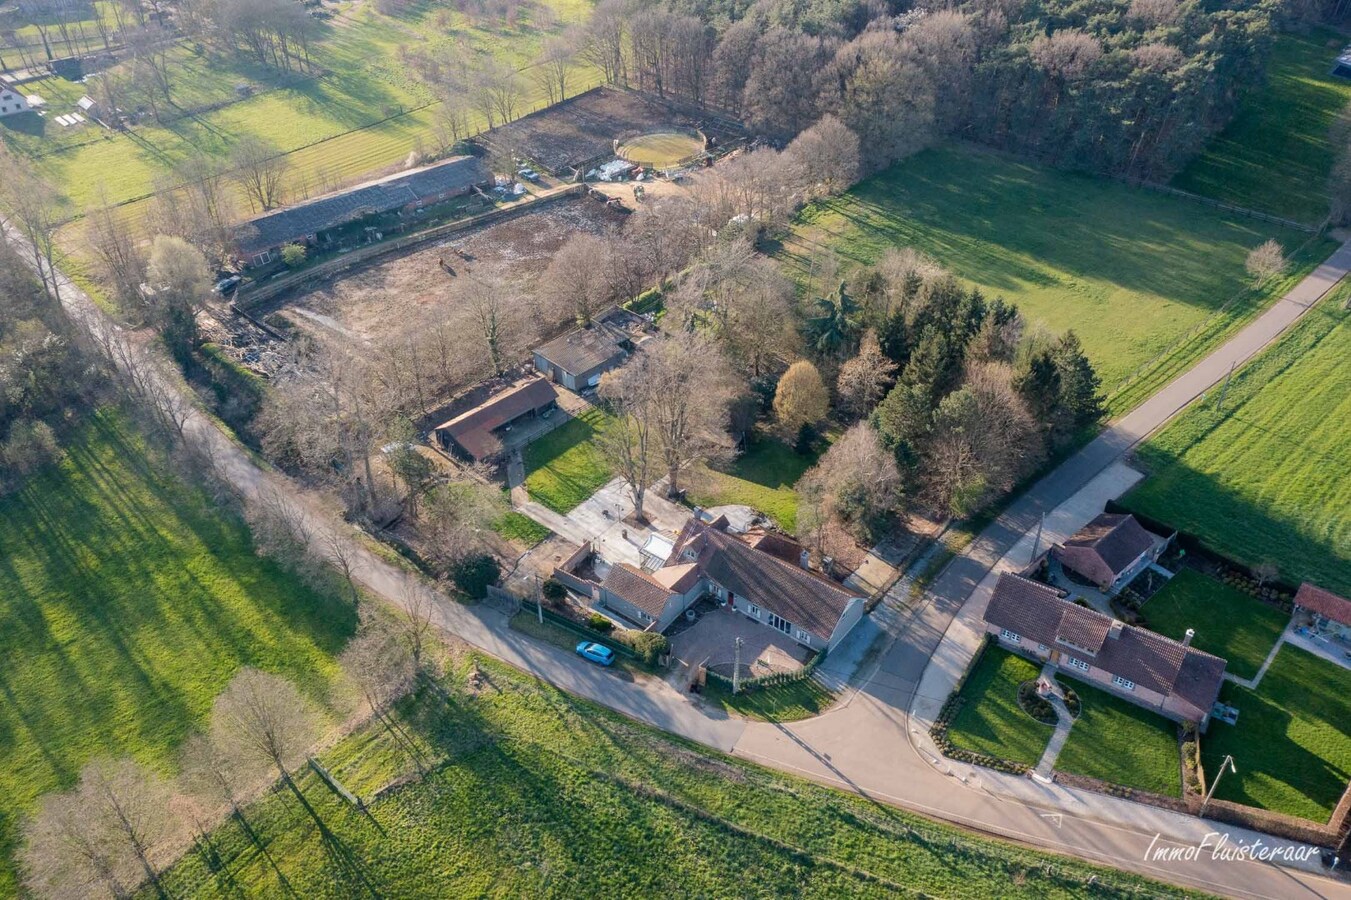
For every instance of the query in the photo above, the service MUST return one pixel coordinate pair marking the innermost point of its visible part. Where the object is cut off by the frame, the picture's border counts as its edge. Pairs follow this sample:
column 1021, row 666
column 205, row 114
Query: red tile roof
column 1316, row 599
column 637, row 587
column 1105, row 547
column 1036, row 612
column 473, row 429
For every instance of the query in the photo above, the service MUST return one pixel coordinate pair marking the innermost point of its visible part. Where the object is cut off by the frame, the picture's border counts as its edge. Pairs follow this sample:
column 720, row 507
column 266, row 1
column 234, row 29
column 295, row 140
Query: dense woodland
column 1122, row 88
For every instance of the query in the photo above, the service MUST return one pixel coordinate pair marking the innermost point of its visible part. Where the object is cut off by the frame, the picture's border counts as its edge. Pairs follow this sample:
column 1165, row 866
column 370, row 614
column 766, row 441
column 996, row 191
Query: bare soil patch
column 385, row 295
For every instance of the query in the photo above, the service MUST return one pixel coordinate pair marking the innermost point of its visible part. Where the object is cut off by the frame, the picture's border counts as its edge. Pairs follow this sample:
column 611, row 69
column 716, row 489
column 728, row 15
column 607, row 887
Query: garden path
column 1064, row 721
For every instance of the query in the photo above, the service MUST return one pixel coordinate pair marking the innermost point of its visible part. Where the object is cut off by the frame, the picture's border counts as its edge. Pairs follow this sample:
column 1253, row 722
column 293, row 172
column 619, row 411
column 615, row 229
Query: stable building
column 259, row 241
column 579, row 358
column 476, row 434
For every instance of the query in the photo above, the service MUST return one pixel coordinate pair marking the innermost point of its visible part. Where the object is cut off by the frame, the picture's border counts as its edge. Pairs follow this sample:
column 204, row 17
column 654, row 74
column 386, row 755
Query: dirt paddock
column 366, row 303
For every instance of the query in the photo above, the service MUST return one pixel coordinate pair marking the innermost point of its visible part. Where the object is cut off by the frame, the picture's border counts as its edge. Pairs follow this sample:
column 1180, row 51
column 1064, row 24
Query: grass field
column 126, row 605
column 1228, row 622
column 1119, row 742
column 763, row 477
column 514, row 526
column 1292, row 745
column 990, row 720
column 1276, row 155
column 364, row 113
column 534, row 793
column 1128, row 269
column 1264, row 480
column 564, row 467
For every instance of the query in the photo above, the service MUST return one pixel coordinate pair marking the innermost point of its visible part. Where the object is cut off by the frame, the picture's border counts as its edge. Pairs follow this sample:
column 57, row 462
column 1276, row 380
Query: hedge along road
column 654, row 702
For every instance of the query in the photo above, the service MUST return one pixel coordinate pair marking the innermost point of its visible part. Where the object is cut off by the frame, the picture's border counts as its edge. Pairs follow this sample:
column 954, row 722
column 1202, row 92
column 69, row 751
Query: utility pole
column 539, row 600
column 1228, row 761
column 736, row 669
column 1219, row 402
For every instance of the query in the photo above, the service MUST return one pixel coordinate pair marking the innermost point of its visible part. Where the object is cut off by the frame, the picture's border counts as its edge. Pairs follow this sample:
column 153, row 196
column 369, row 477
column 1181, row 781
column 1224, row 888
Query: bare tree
column 1265, row 262
column 111, row 237
column 37, row 208
column 825, row 158
column 856, row 483
column 864, row 380
column 342, row 554
column 259, row 169
column 576, row 281
column 261, row 719
column 208, row 772
column 379, row 662
column 417, row 609
column 627, row 441
column 100, row 837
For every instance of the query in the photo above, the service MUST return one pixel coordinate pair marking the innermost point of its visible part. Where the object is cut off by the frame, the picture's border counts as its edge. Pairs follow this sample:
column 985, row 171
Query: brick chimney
column 1187, row 638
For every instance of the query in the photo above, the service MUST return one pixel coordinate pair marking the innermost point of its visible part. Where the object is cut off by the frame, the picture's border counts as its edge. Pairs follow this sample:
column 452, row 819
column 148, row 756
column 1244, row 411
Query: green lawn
column 1275, row 154
column 126, row 605
column 1128, row 269
column 535, row 793
column 1122, row 743
column 990, row 720
column 521, row 528
column 365, row 111
column 1264, row 480
column 1292, row 743
column 1228, row 622
column 565, row 467
column 763, row 477
column 781, row 703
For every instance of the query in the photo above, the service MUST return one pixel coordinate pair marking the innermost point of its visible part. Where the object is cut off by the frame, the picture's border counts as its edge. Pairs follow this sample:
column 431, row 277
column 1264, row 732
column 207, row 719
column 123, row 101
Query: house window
column 1010, row 636
column 1123, row 682
column 803, row 636
column 780, row 623
column 753, row 610
column 1043, row 648
column 1077, row 663
column 262, row 259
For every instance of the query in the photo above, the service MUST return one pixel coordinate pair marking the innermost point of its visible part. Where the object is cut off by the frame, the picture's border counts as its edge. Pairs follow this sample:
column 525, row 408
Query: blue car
column 597, row 653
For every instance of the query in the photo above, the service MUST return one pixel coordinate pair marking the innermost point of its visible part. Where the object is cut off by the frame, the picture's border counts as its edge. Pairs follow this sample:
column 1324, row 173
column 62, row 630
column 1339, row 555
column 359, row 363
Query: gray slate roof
column 637, row 587
column 1038, row 613
column 805, row 599
column 582, row 350
column 458, row 174
column 1105, row 547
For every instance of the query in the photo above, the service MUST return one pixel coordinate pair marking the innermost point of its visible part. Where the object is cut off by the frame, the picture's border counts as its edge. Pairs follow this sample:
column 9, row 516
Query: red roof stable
column 1324, row 602
column 475, row 430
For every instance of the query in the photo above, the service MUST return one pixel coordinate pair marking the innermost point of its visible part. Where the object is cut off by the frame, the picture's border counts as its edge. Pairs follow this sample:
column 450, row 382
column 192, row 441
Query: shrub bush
column 597, row 622
column 474, row 575
column 554, row 590
column 648, row 645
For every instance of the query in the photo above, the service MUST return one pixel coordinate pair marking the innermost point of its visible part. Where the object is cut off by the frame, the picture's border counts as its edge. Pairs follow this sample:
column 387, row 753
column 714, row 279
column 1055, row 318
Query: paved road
column 862, row 742
column 866, row 744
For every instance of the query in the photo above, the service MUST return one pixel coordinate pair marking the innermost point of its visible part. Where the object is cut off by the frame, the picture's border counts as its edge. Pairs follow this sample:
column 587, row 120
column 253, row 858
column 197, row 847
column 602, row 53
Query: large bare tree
column 259, row 169
column 261, row 719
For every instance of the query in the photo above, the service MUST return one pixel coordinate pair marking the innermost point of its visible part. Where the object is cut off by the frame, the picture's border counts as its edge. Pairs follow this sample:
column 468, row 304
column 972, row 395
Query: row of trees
column 122, row 823
column 1132, row 89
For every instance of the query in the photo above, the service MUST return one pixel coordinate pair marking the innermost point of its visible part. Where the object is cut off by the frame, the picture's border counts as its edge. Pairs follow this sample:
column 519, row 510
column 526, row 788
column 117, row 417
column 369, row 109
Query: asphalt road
column 862, row 744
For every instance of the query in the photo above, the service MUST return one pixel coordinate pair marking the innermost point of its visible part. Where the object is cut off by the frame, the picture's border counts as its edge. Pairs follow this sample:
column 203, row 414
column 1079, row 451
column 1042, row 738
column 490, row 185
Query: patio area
column 1329, row 643
column 711, row 642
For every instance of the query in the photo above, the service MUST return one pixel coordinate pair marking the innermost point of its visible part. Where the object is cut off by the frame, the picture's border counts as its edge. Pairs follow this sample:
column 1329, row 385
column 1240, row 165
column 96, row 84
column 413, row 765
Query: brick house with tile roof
column 1169, row 677
column 708, row 560
column 1330, row 612
column 1109, row 551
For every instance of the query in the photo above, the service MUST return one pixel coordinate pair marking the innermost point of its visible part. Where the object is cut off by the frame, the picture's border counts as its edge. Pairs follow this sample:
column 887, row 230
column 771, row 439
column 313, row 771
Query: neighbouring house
column 708, row 560
column 579, row 358
column 260, row 240
column 1170, row 677
column 476, row 434
column 1110, row 551
column 1329, row 613
column 12, row 102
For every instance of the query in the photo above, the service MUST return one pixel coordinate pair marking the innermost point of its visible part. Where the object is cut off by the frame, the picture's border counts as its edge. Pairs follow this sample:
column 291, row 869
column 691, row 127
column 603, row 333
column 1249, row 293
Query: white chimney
column 1187, row 638
column 1116, row 629
column 804, row 559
